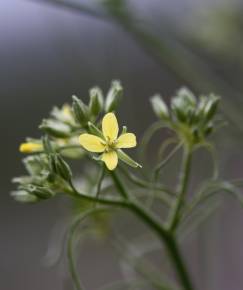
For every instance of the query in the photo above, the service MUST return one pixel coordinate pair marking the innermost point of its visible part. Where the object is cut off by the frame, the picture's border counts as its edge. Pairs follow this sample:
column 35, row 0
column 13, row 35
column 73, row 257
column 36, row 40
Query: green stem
column 166, row 236
column 148, row 136
column 71, row 262
column 119, row 184
column 67, row 147
column 145, row 184
column 168, row 240
column 106, row 201
column 178, row 262
column 151, row 220
column 70, row 245
column 183, row 184
column 165, row 161
column 101, row 177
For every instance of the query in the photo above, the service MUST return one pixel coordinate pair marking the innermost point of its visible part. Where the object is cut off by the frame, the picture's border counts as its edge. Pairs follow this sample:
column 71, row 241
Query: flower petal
column 127, row 140
column 110, row 127
column 91, row 143
column 110, row 159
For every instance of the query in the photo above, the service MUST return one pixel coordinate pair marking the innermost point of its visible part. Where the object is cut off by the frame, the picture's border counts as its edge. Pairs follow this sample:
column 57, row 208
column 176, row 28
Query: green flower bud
column 52, row 163
column 183, row 105
column 60, row 167
column 94, row 130
column 22, row 180
column 113, row 96
column 81, row 112
column 200, row 107
column 55, row 128
column 33, row 164
column 179, row 109
column 63, row 168
column 127, row 159
column 211, row 107
column 24, row 196
column 47, row 144
column 63, row 115
column 187, row 96
column 159, row 107
column 96, row 102
column 40, row 192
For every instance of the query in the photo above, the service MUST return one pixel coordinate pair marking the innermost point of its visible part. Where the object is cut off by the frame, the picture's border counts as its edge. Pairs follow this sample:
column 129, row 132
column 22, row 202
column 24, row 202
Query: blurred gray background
column 50, row 51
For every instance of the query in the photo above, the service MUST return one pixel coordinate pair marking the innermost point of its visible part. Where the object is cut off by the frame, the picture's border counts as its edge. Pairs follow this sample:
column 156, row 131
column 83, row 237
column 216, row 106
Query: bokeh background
column 50, row 50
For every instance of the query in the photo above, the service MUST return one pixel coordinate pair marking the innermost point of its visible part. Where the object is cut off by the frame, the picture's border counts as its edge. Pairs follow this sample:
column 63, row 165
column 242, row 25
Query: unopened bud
column 159, row 107
column 80, row 110
column 113, row 96
column 96, row 102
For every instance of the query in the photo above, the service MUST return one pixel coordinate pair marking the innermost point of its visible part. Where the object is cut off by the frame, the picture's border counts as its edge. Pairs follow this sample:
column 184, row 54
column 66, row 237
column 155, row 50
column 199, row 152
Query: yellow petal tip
column 110, row 159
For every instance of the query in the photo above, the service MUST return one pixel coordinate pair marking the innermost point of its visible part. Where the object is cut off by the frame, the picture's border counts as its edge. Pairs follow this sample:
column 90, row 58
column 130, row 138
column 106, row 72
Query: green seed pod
column 96, row 102
column 80, row 110
column 113, row 96
column 159, row 107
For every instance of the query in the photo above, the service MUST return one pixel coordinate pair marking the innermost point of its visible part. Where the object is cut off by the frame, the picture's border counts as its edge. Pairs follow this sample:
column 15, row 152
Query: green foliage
column 191, row 120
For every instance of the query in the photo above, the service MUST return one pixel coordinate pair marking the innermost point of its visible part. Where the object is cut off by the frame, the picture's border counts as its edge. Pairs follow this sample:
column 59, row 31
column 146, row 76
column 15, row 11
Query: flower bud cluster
column 48, row 172
column 191, row 118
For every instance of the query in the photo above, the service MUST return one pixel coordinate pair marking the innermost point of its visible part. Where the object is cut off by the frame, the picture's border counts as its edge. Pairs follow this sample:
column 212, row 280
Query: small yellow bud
column 66, row 109
column 30, row 147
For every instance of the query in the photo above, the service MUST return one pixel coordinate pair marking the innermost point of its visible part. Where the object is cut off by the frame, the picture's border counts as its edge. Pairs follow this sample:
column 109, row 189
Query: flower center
column 110, row 145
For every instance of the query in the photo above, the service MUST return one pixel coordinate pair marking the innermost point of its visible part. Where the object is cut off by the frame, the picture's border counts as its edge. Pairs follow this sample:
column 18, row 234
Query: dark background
column 49, row 52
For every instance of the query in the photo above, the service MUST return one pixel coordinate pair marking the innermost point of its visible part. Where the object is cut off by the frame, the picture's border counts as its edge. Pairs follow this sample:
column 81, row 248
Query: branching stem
column 148, row 218
column 166, row 236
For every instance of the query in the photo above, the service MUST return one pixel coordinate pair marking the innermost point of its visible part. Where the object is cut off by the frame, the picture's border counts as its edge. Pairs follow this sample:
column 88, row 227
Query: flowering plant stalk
column 113, row 180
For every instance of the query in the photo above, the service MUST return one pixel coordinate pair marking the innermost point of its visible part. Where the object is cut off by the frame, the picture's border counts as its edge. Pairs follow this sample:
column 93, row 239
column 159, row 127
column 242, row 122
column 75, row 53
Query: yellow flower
column 30, row 147
column 110, row 143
